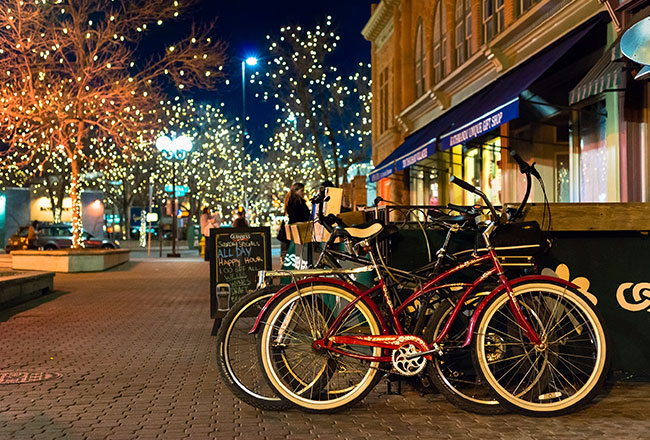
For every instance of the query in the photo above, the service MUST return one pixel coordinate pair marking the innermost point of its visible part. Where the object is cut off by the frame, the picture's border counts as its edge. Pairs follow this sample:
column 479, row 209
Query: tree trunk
column 314, row 130
column 75, row 197
column 332, row 138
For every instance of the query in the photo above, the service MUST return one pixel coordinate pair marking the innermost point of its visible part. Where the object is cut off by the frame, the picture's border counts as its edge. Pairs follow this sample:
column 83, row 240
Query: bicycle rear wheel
column 237, row 360
column 453, row 372
column 317, row 380
column 557, row 377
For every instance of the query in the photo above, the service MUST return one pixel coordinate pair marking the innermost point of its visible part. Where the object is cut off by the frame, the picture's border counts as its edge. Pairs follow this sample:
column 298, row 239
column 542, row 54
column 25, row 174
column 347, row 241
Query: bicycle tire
column 237, row 360
column 453, row 372
column 317, row 381
column 554, row 379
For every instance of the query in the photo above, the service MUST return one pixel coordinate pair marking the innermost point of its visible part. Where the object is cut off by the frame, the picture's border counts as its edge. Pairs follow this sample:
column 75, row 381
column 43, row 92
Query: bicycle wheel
column 453, row 372
column 237, row 360
column 557, row 377
column 317, row 380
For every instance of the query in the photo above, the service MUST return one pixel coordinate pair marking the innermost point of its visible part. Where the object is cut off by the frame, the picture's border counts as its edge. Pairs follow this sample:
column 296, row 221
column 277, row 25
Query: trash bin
column 193, row 236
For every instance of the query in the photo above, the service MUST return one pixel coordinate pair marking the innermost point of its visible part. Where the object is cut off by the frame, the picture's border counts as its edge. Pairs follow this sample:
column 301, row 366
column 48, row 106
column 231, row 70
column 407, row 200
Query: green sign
column 181, row 190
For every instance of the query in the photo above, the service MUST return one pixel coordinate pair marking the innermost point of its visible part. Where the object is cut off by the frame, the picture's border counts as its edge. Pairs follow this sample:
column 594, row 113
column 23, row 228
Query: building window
column 383, row 100
column 439, row 42
column 419, row 60
column 562, row 181
column 463, row 27
column 525, row 5
column 593, row 153
column 492, row 19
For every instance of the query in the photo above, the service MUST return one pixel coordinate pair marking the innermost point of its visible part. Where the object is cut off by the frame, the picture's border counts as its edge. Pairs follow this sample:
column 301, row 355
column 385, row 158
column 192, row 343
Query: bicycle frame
column 399, row 338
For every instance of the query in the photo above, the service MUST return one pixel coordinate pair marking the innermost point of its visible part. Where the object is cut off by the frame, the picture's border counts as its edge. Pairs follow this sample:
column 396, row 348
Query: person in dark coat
column 240, row 219
column 295, row 207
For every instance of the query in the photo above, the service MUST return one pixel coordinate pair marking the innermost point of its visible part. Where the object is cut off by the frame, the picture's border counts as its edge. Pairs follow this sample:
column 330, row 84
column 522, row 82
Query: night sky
column 243, row 25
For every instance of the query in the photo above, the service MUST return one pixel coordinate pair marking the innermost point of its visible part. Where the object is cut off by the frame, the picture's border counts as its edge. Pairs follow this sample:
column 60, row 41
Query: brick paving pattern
column 136, row 360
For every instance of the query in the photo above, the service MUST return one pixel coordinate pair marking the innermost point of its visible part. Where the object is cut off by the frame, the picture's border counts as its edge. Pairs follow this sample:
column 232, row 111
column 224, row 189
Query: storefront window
column 562, row 181
column 593, row 153
column 492, row 170
column 482, row 168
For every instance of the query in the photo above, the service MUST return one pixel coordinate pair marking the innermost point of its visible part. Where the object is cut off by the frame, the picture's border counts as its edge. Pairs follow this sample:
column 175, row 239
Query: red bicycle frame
column 399, row 338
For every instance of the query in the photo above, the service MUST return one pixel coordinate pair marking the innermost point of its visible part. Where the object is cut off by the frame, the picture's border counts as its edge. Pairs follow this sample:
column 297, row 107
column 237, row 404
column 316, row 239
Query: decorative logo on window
column 634, row 297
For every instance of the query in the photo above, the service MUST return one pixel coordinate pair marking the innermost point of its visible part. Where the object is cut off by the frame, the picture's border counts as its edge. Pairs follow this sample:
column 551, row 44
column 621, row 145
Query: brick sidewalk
column 136, row 360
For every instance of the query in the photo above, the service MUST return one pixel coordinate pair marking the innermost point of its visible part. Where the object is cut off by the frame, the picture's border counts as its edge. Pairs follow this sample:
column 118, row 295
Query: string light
column 85, row 102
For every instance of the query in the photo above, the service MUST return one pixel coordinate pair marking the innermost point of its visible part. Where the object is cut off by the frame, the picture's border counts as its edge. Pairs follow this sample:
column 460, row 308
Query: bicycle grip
column 523, row 165
column 466, row 186
column 463, row 209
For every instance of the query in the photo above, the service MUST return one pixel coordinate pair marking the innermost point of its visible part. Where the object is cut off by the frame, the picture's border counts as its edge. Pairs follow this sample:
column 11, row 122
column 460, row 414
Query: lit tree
column 294, row 78
column 73, row 85
column 347, row 119
column 214, row 170
column 54, row 178
column 330, row 111
column 285, row 161
column 126, row 182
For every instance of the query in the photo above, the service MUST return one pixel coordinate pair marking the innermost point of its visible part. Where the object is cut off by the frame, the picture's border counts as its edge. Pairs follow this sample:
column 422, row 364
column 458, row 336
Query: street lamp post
column 251, row 61
column 174, row 151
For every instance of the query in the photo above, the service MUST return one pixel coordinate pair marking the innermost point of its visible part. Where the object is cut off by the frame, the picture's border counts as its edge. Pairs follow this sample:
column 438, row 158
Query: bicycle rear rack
column 263, row 275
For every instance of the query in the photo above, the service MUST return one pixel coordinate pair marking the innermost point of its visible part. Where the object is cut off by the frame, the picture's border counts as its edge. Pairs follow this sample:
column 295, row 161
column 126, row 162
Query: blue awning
column 488, row 108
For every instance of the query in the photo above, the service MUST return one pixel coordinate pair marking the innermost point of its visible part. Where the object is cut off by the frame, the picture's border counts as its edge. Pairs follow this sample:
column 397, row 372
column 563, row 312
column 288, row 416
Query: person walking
column 208, row 221
column 295, row 207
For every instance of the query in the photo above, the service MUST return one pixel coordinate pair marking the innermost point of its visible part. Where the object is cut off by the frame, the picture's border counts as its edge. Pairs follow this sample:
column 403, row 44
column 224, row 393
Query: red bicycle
column 536, row 341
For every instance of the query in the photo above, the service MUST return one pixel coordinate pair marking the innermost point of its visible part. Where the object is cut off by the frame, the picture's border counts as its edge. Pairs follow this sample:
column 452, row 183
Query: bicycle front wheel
column 318, row 380
column 563, row 373
column 237, row 360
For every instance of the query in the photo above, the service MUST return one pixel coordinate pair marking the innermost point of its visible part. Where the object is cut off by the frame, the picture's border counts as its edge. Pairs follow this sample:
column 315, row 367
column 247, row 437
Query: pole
column 174, row 212
column 160, row 229
column 149, row 222
column 243, row 125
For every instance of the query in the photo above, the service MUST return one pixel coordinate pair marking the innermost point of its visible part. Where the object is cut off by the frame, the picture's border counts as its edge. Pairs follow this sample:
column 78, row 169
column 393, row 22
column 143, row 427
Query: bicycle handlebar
column 469, row 187
column 466, row 186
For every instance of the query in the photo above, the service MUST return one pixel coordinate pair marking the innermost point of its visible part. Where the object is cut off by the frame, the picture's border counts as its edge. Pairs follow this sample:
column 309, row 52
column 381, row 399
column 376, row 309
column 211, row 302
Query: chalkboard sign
column 236, row 255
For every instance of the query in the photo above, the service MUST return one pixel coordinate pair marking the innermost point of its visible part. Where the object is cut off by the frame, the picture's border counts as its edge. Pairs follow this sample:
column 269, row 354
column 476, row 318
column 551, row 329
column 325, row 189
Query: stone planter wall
column 19, row 287
column 69, row 260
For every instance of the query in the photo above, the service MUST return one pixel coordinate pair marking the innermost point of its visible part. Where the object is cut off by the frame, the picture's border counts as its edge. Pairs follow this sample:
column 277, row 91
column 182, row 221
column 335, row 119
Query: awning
column 488, row 108
column 605, row 75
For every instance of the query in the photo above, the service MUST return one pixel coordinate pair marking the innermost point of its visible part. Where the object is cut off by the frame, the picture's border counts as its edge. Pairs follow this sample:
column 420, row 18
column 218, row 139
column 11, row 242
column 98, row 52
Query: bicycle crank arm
column 390, row 342
column 435, row 350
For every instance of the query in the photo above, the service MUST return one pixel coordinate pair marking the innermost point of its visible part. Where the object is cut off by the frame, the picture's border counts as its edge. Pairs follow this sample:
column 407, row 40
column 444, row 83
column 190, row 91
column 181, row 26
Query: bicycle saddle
column 370, row 230
column 365, row 230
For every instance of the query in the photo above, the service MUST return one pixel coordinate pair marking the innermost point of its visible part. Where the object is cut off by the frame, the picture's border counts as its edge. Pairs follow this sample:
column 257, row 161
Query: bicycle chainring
column 408, row 367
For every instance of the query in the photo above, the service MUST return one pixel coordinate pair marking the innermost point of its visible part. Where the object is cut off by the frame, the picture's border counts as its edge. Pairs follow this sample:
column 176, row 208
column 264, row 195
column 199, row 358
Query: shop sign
column 481, row 125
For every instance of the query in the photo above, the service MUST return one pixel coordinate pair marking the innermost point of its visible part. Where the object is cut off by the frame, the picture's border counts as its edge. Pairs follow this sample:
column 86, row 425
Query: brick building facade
column 439, row 66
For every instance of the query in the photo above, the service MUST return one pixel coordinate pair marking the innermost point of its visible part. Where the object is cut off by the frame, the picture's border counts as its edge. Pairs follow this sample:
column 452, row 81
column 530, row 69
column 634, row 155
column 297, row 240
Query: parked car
column 57, row 236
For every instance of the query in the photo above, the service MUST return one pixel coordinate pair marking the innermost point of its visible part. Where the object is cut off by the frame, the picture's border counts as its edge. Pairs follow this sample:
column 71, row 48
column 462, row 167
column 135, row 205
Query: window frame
column 419, row 60
column 439, row 45
column 462, row 31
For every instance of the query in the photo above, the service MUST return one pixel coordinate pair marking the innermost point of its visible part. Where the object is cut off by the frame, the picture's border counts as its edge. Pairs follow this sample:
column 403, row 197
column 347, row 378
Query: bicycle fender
column 512, row 283
column 272, row 300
